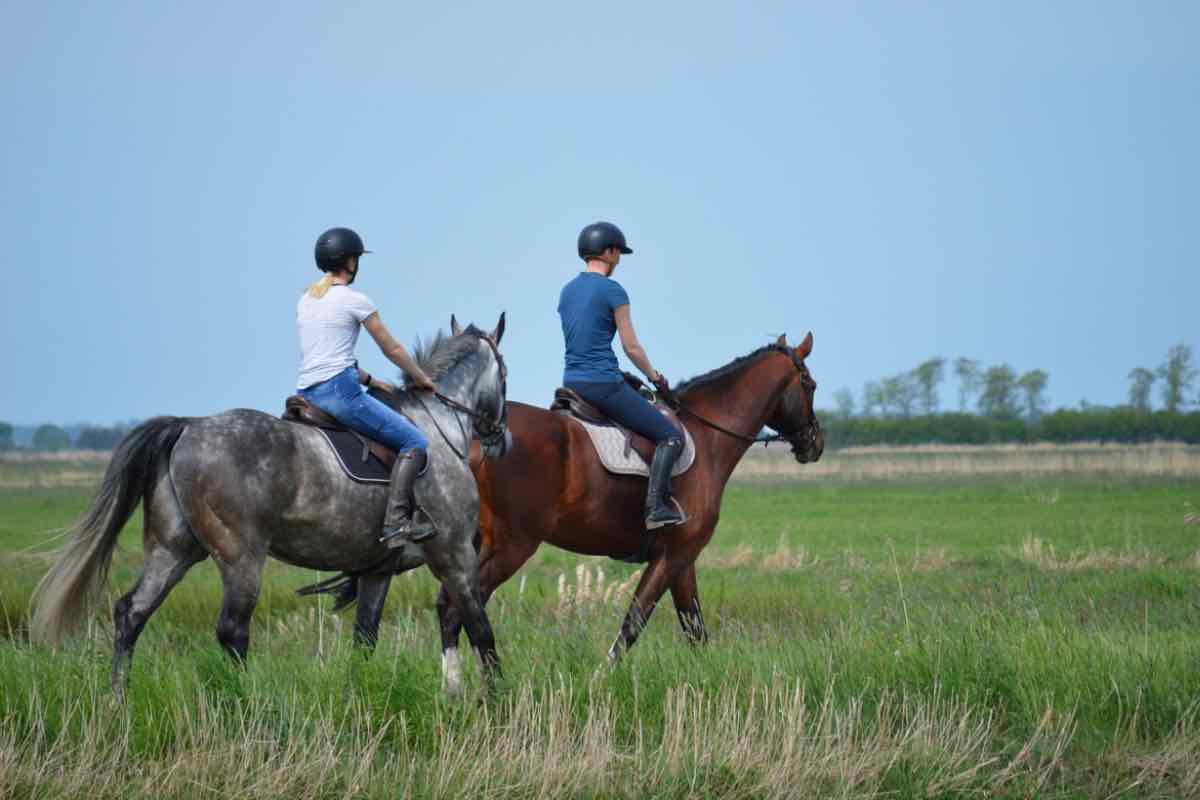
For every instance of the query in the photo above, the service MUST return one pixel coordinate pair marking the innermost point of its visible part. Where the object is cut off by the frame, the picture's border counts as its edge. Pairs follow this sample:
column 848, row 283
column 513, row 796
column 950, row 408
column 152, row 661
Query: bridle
column 491, row 432
column 792, row 438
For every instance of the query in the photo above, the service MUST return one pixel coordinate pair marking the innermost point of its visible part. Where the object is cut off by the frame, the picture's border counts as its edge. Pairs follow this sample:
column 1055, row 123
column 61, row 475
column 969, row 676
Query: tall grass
column 990, row 706
column 995, row 637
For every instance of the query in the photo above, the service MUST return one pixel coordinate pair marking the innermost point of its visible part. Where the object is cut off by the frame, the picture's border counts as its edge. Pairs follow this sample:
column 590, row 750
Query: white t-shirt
column 328, row 330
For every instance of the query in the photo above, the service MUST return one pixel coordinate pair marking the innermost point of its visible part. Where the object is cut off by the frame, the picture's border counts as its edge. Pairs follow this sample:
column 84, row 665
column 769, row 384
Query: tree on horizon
column 999, row 397
column 1141, row 381
column 969, row 380
column 1033, row 386
column 1177, row 374
column 50, row 439
column 929, row 376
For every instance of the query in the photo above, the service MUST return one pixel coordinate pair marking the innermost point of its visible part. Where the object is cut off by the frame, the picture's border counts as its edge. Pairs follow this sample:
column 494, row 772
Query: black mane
column 712, row 376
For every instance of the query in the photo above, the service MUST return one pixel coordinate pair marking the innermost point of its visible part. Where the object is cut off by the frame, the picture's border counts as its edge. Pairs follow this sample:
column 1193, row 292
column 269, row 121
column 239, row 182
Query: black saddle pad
column 349, row 451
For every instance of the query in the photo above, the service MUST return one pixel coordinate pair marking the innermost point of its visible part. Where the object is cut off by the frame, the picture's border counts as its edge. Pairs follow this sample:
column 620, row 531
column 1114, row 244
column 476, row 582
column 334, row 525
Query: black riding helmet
column 598, row 237
column 334, row 246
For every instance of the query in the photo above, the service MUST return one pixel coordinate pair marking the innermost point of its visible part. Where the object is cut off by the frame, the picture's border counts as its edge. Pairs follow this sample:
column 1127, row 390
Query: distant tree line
column 53, row 438
column 1011, row 407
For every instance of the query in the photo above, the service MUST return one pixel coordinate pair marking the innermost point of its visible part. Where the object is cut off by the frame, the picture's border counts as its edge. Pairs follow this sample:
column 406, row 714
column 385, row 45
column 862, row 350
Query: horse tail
column 64, row 594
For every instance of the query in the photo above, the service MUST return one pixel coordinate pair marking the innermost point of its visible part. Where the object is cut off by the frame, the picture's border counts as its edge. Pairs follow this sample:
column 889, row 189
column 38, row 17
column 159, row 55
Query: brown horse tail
column 64, row 594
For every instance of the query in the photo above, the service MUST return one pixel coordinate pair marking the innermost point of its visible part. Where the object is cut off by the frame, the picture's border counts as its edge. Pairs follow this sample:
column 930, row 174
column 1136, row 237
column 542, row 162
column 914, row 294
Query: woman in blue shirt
column 593, row 307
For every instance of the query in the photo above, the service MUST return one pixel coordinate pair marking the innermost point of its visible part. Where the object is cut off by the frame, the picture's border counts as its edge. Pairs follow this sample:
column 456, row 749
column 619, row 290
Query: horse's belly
column 342, row 535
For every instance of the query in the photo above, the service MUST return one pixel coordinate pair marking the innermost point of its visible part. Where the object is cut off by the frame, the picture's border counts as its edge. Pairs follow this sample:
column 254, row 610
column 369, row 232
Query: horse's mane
column 443, row 353
column 712, row 376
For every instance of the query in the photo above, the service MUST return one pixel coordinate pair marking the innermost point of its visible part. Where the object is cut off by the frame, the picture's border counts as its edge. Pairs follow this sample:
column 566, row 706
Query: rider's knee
column 418, row 441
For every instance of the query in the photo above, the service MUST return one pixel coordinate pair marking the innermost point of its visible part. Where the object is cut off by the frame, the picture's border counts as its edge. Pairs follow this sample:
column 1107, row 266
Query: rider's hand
column 661, row 384
column 423, row 382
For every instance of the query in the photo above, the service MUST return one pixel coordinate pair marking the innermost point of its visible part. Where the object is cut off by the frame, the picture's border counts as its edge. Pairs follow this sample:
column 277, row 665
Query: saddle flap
column 644, row 447
column 622, row 454
column 297, row 409
column 566, row 401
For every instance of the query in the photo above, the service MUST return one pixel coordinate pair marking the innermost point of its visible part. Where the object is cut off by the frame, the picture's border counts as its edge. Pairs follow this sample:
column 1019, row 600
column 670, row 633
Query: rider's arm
column 395, row 352
column 629, row 342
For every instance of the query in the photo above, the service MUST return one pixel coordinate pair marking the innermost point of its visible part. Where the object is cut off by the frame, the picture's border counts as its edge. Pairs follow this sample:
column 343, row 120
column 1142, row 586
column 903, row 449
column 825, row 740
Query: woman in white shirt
column 328, row 318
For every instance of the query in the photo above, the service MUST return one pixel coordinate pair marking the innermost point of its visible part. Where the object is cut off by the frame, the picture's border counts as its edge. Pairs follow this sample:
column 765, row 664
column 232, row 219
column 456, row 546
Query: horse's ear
column 455, row 328
column 782, row 340
column 805, row 347
column 499, row 332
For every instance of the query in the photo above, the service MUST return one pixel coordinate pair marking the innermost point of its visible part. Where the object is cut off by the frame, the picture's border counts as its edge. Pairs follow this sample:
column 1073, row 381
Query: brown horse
column 551, row 487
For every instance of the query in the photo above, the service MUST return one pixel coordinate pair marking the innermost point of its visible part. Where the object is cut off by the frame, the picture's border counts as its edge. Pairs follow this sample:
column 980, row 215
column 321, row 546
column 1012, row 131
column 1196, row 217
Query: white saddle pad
column 610, row 446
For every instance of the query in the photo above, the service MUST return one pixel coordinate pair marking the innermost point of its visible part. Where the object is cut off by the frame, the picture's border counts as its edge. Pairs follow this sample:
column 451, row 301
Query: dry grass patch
column 932, row 558
column 786, row 557
column 1162, row 459
column 591, row 589
column 1033, row 550
column 740, row 556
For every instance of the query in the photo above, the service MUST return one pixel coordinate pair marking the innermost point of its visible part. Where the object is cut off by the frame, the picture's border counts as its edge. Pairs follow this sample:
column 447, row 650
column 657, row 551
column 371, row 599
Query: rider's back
column 328, row 328
column 585, row 306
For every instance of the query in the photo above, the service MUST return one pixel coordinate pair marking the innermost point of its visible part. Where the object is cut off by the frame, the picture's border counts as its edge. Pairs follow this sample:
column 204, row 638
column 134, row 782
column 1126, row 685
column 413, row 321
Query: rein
column 766, row 440
column 673, row 400
column 490, row 431
column 437, row 425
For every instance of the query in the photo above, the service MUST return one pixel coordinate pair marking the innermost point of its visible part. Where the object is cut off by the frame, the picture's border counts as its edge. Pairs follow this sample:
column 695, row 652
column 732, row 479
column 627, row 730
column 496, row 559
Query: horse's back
column 248, row 481
column 243, row 448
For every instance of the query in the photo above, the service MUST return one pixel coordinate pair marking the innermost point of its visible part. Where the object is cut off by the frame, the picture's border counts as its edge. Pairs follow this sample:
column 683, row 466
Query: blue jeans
column 343, row 398
column 626, row 407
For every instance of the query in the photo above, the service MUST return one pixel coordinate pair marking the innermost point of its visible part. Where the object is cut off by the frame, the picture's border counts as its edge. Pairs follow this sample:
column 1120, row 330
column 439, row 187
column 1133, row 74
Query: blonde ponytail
column 318, row 289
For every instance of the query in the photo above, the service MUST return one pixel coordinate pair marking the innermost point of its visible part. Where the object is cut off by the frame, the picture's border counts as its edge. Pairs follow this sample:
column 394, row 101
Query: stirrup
column 408, row 530
column 656, row 524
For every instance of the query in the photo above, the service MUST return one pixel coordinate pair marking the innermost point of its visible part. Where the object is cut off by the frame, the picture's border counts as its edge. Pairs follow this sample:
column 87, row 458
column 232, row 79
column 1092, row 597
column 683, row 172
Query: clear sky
column 1014, row 182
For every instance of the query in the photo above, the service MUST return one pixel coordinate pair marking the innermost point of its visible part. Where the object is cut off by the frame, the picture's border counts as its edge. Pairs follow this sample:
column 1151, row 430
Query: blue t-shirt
column 586, row 306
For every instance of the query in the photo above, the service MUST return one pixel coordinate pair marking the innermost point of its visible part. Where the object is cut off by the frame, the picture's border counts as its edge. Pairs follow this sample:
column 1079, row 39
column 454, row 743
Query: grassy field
column 1009, row 623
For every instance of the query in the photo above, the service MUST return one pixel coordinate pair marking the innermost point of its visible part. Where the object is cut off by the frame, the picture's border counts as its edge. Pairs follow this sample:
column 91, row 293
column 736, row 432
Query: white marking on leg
column 614, row 652
column 451, row 671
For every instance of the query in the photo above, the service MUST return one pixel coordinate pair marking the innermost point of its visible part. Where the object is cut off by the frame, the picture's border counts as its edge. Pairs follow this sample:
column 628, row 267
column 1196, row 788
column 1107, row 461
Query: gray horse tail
column 63, row 595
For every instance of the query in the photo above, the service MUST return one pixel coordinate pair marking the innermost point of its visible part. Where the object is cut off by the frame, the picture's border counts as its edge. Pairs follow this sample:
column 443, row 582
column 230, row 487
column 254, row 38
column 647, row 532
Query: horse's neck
column 461, row 388
column 741, row 402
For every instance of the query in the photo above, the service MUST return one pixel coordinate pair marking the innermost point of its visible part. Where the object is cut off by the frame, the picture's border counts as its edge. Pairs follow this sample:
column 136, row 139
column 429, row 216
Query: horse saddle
column 365, row 460
column 621, row 451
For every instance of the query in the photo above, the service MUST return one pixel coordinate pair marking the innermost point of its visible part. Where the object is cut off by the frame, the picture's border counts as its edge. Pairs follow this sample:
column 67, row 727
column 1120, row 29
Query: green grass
column 959, row 638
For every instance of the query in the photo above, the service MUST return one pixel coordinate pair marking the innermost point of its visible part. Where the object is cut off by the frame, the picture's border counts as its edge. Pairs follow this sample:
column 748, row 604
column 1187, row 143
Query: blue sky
column 1011, row 182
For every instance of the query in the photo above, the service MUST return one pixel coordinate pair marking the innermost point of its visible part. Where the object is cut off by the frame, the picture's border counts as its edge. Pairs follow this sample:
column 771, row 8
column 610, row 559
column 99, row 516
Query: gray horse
column 242, row 485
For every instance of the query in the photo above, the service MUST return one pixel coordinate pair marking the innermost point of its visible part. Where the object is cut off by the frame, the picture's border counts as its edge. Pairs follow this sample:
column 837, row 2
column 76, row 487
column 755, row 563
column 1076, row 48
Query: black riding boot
column 659, row 511
column 398, row 524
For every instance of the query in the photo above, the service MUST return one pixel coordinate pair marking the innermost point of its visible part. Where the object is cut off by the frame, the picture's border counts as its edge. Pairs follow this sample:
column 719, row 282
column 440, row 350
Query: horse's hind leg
column 241, row 579
column 170, row 551
column 372, row 593
column 687, row 605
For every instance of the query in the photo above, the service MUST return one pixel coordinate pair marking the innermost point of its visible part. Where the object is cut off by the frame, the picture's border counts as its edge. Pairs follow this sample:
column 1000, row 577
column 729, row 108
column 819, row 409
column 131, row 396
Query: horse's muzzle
column 808, row 449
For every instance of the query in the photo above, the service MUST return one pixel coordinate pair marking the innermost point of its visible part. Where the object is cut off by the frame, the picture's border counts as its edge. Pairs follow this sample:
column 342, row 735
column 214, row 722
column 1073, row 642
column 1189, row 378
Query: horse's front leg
column 461, row 600
column 687, row 605
column 649, row 591
column 496, row 566
column 372, row 593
